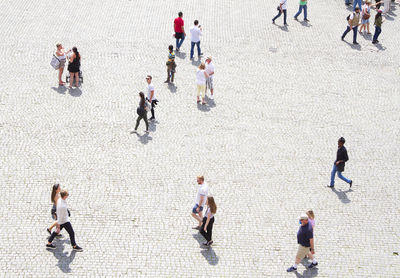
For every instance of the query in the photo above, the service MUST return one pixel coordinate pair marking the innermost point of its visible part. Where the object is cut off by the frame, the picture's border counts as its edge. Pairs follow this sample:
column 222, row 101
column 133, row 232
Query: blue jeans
column 279, row 14
column 301, row 7
column 180, row 41
column 339, row 174
column 354, row 33
column 378, row 31
column 359, row 2
column 192, row 49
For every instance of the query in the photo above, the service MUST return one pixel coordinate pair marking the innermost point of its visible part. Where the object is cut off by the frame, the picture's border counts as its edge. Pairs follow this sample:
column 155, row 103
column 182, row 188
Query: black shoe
column 342, row 39
column 77, row 248
column 50, row 246
column 59, row 235
column 273, row 21
column 331, row 186
column 312, row 265
column 295, row 18
column 351, row 183
column 210, row 242
column 48, row 230
column 286, row 24
column 374, row 42
column 166, row 81
column 152, row 118
column 356, row 43
column 306, row 20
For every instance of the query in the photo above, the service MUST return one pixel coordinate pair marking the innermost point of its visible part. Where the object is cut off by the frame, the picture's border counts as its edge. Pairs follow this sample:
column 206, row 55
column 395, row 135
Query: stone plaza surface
column 283, row 96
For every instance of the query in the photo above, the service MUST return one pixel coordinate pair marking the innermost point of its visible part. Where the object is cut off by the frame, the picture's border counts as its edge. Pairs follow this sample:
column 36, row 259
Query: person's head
column 368, row 2
column 357, row 10
column 379, row 13
column 202, row 66
column 141, row 95
column 64, row 194
column 171, row 48
column 211, row 204
column 75, row 50
column 209, row 59
column 59, row 45
column 303, row 219
column 148, row 79
column 180, row 14
column 310, row 214
column 196, row 22
column 55, row 190
column 341, row 142
column 200, row 179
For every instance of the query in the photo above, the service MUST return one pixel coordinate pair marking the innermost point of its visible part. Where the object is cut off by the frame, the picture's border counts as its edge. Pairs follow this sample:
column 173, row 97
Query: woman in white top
column 55, row 195
column 201, row 77
column 208, row 221
column 62, row 57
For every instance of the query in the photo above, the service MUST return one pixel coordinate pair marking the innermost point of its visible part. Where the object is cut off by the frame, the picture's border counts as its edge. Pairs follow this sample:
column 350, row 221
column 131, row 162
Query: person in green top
column 303, row 6
column 378, row 24
column 170, row 65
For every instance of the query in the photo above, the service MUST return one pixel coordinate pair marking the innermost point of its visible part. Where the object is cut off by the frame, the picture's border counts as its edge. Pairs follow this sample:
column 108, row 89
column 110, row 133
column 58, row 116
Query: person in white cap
column 210, row 79
column 305, row 239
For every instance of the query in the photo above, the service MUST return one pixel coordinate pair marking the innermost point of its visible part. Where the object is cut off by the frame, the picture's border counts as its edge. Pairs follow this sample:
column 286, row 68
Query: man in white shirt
column 210, row 71
column 201, row 198
column 281, row 9
column 63, row 222
column 151, row 95
column 195, row 32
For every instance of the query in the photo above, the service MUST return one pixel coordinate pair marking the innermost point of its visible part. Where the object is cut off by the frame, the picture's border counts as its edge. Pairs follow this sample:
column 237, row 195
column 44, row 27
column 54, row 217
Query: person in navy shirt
column 338, row 165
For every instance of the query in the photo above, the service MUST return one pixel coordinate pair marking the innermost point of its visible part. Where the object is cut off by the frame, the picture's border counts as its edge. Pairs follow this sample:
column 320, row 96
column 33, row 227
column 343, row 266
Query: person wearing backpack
column 353, row 21
column 142, row 112
column 378, row 25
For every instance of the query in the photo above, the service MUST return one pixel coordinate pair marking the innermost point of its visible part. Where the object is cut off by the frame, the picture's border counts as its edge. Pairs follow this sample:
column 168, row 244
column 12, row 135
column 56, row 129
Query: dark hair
column 378, row 14
column 171, row 47
column 342, row 140
column 64, row 193
column 149, row 76
column 142, row 100
column 196, row 22
column 180, row 14
column 75, row 50
column 54, row 191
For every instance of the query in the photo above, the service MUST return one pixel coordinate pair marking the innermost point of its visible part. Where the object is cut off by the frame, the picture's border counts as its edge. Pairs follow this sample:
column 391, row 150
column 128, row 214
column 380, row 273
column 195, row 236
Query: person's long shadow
column 203, row 107
column 284, row 28
column 172, row 88
column 63, row 259
column 208, row 252
column 306, row 24
column 75, row 92
column 210, row 102
column 196, row 62
column 180, row 55
column 354, row 46
column 60, row 89
column 144, row 138
column 380, row 47
column 342, row 195
column 313, row 272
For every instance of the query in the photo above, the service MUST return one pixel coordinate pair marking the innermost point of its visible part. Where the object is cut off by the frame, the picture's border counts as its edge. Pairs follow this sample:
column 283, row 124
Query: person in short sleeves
column 208, row 221
column 151, row 95
column 179, row 31
column 378, row 25
column 210, row 79
column 201, row 79
column 281, row 9
column 353, row 23
column 302, row 6
column 195, row 33
column 202, row 193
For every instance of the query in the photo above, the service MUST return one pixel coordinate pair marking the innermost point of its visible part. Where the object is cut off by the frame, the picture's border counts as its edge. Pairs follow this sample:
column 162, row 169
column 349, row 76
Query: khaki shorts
column 302, row 251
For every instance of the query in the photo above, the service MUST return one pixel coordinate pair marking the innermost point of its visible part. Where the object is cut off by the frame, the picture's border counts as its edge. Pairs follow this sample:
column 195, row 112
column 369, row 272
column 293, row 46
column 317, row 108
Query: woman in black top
column 73, row 67
column 142, row 112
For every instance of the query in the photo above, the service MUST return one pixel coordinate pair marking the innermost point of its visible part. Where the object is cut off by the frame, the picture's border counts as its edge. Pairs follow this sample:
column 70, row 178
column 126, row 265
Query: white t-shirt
column 150, row 88
column 62, row 211
column 195, row 34
column 210, row 68
column 200, row 77
column 208, row 212
column 203, row 191
column 284, row 4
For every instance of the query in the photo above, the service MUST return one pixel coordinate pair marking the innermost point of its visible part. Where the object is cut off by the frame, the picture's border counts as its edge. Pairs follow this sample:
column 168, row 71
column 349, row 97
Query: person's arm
column 206, row 74
column 151, row 96
column 280, row 6
column 72, row 57
column 208, row 221
column 183, row 30
column 312, row 246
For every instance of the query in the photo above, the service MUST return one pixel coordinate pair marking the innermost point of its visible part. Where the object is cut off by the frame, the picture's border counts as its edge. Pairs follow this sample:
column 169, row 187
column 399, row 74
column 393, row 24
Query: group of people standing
column 74, row 64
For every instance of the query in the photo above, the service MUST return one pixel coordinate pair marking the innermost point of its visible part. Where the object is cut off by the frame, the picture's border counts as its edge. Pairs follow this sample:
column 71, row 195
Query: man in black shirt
column 338, row 165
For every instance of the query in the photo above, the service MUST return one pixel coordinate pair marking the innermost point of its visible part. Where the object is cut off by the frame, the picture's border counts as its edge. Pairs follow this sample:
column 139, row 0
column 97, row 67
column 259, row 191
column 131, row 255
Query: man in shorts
column 210, row 80
column 202, row 193
column 306, row 243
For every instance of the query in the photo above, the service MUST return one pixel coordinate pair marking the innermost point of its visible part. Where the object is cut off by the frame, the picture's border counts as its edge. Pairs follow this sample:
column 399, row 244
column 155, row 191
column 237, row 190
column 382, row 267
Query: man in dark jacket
column 338, row 166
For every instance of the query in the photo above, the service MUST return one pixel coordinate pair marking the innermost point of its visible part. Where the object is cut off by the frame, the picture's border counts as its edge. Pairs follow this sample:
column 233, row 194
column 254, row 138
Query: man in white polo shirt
column 151, row 95
column 195, row 33
column 201, row 198
column 210, row 71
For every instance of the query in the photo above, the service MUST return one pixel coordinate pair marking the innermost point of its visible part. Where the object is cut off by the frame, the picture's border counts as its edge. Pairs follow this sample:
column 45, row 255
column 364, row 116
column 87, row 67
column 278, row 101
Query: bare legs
column 198, row 217
column 60, row 72
column 74, row 75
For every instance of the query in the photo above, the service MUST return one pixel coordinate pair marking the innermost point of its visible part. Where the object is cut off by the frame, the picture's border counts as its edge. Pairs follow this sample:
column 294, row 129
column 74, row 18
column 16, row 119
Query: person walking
column 151, row 95
column 338, row 165
column 62, row 57
column 195, row 33
column 281, row 9
column 353, row 23
column 170, row 65
column 179, row 31
column 63, row 222
column 355, row 3
column 305, row 239
column 74, row 67
column 378, row 25
column 208, row 221
column 210, row 79
column 302, row 6
column 142, row 112
column 201, row 197
column 201, row 78
column 55, row 195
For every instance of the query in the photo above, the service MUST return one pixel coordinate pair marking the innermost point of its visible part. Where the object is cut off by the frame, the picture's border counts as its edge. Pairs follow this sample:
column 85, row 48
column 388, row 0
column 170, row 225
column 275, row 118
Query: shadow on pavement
column 203, row 107
column 180, row 55
column 172, row 88
column 75, row 92
column 342, row 195
column 354, row 46
column 60, row 89
column 144, row 138
column 63, row 259
column 196, row 63
column 207, row 252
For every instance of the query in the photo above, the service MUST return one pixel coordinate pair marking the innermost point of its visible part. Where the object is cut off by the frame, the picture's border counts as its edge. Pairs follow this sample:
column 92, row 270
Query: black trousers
column 279, row 14
column 153, row 104
column 70, row 231
column 207, row 235
column 144, row 117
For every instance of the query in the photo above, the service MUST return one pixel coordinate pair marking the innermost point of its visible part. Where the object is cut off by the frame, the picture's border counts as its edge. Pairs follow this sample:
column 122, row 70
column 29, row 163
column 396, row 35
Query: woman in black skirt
column 74, row 66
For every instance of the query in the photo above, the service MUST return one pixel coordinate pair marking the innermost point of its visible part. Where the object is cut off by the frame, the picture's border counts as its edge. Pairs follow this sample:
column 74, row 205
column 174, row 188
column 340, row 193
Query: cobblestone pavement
column 266, row 145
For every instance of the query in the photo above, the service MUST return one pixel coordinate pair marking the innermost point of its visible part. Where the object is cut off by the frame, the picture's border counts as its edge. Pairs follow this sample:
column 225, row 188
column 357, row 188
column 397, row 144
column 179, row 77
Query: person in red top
column 179, row 30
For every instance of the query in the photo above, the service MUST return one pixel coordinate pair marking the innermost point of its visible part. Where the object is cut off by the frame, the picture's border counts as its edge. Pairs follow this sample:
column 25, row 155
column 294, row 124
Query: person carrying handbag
column 142, row 112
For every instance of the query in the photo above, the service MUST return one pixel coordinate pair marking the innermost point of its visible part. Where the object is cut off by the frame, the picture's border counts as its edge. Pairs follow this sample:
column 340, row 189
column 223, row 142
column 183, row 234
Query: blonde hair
column 201, row 177
column 310, row 214
column 211, row 204
column 58, row 45
column 202, row 66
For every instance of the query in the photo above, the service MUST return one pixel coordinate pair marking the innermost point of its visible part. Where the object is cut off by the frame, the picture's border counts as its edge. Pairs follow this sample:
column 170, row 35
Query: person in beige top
column 353, row 21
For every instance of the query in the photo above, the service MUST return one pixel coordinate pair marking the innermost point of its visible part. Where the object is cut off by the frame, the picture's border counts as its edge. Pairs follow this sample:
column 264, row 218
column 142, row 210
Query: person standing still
column 179, row 31
column 353, row 23
column 151, row 95
column 202, row 194
column 74, row 67
column 63, row 222
column 210, row 79
column 338, row 165
column 305, row 239
column 170, row 65
column 281, row 9
column 62, row 57
column 302, row 6
column 208, row 221
column 378, row 25
column 142, row 113
column 201, row 79
column 195, row 33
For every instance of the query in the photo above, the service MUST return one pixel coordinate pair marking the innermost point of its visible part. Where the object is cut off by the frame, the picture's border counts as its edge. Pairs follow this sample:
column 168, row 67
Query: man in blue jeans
column 353, row 22
column 338, row 165
column 195, row 32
